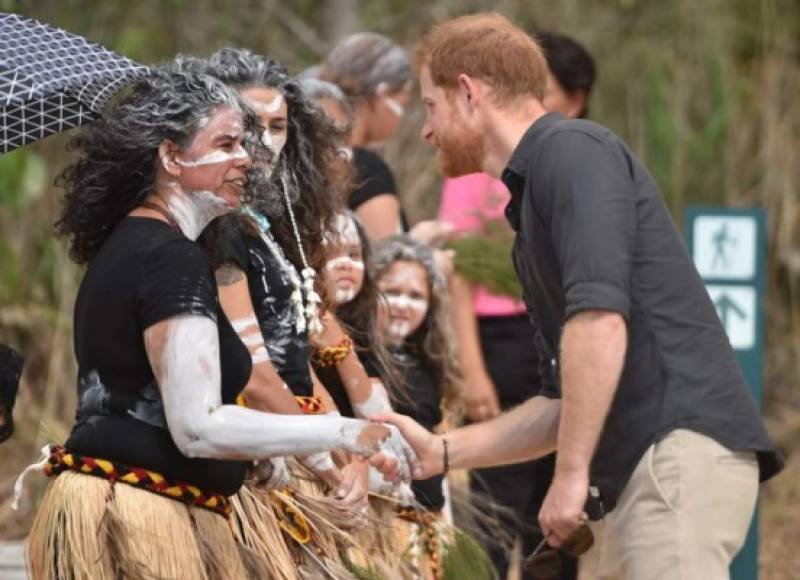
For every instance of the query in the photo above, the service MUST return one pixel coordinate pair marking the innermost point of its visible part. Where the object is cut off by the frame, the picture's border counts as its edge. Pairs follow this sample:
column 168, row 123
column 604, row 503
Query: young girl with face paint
column 414, row 319
column 159, row 363
column 357, row 391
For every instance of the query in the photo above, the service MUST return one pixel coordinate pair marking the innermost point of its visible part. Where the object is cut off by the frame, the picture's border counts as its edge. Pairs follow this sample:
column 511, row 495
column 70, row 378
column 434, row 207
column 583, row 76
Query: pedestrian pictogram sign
column 725, row 247
column 736, row 308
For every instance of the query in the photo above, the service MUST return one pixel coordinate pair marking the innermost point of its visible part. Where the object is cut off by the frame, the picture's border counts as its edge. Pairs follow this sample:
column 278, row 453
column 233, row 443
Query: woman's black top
column 420, row 400
column 145, row 273
column 372, row 178
column 269, row 277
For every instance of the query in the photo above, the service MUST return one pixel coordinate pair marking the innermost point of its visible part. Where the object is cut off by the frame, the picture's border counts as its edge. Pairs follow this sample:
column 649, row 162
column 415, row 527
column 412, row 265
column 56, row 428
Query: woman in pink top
column 496, row 339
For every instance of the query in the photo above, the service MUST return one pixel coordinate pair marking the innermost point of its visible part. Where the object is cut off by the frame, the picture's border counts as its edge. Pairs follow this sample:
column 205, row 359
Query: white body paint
column 201, row 426
column 394, row 106
column 271, row 473
column 194, row 211
column 344, row 262
column 379, row 486
column 399, row 329
column 319, row 462
column 403, row 301
column 215, row 157
column 377, row 402
column 250, row 334
column 269, row 108
column 343, row 295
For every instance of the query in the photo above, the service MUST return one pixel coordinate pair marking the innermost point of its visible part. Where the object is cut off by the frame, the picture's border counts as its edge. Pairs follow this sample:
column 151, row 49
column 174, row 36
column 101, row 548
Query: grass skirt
column 88, row 528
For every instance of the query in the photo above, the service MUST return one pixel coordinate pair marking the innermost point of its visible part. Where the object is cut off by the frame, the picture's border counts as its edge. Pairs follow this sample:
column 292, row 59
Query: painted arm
column 184, row 354
column 265, row 391
column 367, row 395
column 480, row 391
column 381, row 216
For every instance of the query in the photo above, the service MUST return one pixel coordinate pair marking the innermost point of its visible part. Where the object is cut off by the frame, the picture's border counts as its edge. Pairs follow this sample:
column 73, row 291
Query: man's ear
column 168, row 157
column 468, row 92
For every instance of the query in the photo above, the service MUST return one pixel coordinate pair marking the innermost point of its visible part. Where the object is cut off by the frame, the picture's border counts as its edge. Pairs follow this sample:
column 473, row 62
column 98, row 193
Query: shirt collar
column 515, row 173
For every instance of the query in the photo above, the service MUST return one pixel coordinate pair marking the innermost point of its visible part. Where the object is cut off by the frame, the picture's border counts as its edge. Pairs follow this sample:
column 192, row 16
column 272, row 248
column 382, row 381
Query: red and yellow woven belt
column 309, row 405
column 61, row 460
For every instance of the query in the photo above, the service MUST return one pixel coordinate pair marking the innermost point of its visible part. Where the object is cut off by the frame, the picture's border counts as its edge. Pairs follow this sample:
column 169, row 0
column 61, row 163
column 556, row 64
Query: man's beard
column 461, row 150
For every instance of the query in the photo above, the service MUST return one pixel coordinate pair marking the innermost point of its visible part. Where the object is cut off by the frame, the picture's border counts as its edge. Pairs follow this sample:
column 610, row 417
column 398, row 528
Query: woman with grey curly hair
column 375, row 75
column 158, row 444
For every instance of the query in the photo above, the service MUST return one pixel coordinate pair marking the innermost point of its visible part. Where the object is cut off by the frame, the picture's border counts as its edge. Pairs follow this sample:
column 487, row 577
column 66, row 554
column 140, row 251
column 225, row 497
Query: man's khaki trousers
column 683, row 515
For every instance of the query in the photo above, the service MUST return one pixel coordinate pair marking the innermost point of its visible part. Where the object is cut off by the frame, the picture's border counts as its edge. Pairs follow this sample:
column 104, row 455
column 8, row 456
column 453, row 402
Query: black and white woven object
column 51, row 80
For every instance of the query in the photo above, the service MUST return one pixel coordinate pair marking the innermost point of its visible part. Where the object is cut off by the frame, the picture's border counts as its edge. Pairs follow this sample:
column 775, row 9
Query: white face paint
column 394, row 106
column 416, row 305
column 345, row 262
column 215, row 157
column 344, row 295
column 399, row 329
column 344, row 271
column 184, row 352
column 268, row 108
column 405, row 289
column 194, row 211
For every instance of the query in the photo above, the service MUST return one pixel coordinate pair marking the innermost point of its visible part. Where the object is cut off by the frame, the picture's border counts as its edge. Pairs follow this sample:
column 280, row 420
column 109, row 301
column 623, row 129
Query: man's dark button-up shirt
column 593, row 233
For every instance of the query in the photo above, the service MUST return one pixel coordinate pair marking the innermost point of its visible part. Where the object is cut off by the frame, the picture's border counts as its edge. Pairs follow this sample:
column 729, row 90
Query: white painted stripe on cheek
column 416, row 304
column 344, row 261
column 214, row 157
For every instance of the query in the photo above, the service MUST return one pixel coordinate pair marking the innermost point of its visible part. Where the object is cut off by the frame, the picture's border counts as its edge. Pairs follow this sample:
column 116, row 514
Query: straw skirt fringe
column 90, row 529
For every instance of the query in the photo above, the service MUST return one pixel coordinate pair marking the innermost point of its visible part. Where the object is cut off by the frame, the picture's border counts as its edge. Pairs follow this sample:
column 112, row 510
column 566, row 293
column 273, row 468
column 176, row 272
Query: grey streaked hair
column 118, row 154
column 363, row 62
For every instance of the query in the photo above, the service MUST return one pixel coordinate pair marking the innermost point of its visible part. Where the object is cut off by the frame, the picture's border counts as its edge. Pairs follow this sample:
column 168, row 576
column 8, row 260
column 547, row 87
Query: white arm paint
column 377, row 402
column 184, row 352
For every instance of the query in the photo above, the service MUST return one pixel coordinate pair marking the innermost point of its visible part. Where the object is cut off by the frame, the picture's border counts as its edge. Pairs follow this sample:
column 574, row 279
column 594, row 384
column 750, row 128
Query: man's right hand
column 429, row 447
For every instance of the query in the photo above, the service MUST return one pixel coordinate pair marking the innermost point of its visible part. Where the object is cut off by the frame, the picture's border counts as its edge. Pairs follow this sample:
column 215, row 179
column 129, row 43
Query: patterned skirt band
column 61, row 460
column 309, row 405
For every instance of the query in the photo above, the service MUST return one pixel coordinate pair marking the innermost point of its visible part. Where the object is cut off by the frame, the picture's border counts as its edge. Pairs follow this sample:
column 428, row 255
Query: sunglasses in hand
column 544, row 563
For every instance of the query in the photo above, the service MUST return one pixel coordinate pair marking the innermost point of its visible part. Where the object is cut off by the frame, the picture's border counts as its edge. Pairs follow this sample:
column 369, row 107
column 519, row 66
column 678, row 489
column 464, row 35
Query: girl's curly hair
column 310, row 167
column 117, row 163
column 434, row 341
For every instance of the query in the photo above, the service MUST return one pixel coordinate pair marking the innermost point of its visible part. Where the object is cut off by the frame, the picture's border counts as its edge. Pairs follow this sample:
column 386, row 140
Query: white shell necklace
column 306, row 310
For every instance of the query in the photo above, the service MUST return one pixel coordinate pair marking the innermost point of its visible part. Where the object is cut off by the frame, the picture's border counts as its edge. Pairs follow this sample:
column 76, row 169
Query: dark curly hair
column 117, row 163
column 310, row 167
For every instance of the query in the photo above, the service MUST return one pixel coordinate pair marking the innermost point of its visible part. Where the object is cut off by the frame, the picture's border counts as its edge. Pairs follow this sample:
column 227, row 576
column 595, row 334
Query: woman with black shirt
column 375, row 75
column 158, row 445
